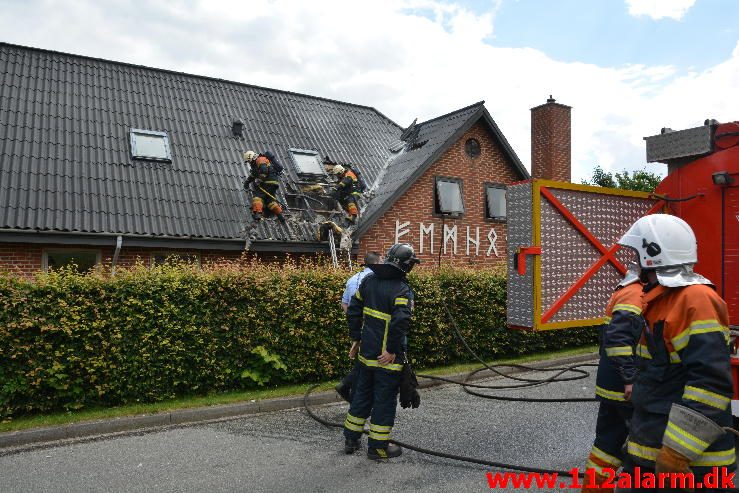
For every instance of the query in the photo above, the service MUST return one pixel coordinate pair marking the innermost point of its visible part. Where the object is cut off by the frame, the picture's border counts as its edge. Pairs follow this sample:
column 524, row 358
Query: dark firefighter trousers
column 612, row 428
column 375, row 394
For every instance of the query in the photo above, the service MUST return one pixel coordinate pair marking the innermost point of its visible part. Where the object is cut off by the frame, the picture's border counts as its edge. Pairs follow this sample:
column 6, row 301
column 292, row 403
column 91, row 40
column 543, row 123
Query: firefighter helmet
column 339, row 170
column 249, row 156
column 261, row 160
column 401, row 256
column 661, row 240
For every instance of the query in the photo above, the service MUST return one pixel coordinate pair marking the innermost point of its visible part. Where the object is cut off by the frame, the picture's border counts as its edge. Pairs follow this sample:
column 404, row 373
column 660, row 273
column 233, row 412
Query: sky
column 627, row 67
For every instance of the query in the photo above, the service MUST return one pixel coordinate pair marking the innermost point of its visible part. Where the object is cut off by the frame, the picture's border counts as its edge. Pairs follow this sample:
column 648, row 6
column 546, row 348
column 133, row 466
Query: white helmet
column 338, row 169
column 661, row 240
column 249, row 156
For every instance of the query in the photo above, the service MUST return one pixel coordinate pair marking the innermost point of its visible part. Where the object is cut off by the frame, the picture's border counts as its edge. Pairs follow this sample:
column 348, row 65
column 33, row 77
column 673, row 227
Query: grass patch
column 24, row 423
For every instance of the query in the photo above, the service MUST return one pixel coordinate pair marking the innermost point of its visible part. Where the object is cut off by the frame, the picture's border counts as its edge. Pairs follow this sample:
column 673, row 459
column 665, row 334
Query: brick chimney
column 551, row 149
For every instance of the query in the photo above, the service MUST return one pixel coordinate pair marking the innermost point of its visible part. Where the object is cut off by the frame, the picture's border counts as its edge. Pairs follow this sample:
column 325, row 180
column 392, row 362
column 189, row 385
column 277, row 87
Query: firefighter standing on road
column 379, row 316
column 265, row 177
column 682, row 394
column 616, row 374
column 346, row 191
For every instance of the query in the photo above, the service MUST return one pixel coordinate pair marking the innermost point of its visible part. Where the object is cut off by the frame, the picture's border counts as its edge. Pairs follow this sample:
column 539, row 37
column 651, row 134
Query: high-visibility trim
column 627, row 308
column 643, row 351
column 358, row 295
column 375, row 364
column 674, row 357
column 377, row 314
column 609, row 394
column 271, row 182
column 401, row 301
column 607, row 320
column 696, row 328
column 596, row 452
column 353, row 423
column 706, row 397
column 716, row 458
column 378, row 432
column 677, row 438
column 619, row 351
column 381, row 452
column 642, row 451
column 380, row 428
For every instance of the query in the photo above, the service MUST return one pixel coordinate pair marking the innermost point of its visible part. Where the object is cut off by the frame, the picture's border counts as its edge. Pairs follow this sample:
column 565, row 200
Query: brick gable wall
column 416, row 206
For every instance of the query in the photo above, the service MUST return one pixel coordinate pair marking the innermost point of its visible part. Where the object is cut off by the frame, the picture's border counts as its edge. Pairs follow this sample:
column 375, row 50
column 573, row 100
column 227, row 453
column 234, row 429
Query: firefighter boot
column 257, row 216
column 281, row 218
column 391, row 451
column 351, row 446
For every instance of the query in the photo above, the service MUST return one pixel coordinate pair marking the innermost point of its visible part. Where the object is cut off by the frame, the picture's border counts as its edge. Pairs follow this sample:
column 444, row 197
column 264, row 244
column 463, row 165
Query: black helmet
column 401, row 256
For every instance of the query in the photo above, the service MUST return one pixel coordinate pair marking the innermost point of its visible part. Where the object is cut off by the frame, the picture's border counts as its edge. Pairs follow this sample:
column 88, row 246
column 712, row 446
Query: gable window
column 448, row 196
column 472, row 148
column 150, row 145
column 161, row 258
column 79, row 260
column 307, row 162
column 495, row 201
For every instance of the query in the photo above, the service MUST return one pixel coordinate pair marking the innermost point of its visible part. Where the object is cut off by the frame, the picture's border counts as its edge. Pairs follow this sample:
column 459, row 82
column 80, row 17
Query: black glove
column 258, row 181
column 246, row 184
column 408, row 384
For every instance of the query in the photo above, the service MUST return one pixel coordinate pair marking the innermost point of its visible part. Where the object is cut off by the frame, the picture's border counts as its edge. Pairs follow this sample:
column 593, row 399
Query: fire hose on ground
column 466, row 385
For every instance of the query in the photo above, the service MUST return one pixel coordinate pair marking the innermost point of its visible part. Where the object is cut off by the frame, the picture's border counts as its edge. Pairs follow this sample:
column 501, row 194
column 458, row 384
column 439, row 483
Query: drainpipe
column 118, row 244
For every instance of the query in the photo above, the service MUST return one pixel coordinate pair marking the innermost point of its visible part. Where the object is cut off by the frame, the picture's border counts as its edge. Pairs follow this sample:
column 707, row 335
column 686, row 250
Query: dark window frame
column 468, row 152
column 488, row 217
column 150, row 133
column 46, row 251
column 437, row 203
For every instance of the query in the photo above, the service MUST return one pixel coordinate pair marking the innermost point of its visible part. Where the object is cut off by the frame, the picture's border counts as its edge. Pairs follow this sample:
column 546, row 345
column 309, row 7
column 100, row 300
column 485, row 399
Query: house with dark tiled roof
column 108, row 162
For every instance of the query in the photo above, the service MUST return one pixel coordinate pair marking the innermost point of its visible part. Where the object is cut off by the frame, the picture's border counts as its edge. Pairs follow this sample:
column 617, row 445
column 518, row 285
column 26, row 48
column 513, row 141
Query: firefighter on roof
column 683, row 390
column 264, row 176
column 347, row 191
column 616, row 374
column 379, row 316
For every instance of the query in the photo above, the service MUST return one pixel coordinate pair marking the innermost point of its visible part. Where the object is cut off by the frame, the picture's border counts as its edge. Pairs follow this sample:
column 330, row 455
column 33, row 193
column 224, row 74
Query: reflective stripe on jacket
column 687, row 341
column 618, row 340
column 379, row 316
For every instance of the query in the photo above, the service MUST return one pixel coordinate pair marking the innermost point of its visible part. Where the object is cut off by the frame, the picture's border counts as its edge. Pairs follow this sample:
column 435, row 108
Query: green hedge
column 68, row 341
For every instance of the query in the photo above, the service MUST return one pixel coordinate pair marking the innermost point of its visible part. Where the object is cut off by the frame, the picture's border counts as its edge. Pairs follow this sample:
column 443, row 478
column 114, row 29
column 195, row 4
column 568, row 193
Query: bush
column 68, row 340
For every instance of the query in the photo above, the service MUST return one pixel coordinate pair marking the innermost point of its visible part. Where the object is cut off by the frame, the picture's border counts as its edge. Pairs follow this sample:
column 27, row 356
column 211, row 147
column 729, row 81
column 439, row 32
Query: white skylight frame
column 307, row 162
column 150, row 145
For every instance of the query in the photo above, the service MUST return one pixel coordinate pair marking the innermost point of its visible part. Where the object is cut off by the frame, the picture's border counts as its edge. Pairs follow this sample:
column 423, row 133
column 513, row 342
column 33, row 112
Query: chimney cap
column 551, row 99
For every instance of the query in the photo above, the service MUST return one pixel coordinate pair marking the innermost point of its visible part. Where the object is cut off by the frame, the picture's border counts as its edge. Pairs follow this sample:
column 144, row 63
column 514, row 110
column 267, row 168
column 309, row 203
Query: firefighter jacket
column 684, row 359
column 265, row 172
column 379, row 316
column 618, row 339
column 347, row 186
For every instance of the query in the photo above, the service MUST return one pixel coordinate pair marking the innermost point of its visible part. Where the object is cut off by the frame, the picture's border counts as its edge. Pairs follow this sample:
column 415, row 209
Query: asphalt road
column 288, row 451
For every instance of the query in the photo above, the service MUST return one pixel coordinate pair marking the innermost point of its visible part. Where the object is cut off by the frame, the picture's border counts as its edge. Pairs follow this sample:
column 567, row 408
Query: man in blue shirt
column 344, row 388
column 352, row 284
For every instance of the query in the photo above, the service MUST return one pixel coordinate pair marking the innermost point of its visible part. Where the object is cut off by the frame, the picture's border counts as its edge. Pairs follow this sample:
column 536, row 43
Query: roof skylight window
column 150, row 145
column 307, row 162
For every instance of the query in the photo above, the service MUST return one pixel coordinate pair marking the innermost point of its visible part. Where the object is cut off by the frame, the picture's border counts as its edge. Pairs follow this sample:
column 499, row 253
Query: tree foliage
column 640, row 180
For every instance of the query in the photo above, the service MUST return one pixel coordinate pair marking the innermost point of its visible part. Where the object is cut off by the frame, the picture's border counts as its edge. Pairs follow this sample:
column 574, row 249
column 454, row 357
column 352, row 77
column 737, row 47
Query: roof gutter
column 110, row 239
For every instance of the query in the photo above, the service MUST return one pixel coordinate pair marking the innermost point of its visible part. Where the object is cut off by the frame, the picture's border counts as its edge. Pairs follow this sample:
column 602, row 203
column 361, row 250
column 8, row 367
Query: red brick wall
column 417, row 206
column 25, row 259
column 551, row 149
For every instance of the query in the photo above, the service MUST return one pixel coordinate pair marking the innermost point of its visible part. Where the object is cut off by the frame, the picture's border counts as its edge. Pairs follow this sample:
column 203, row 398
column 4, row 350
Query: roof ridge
column 479, row 103
column 206, row 77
